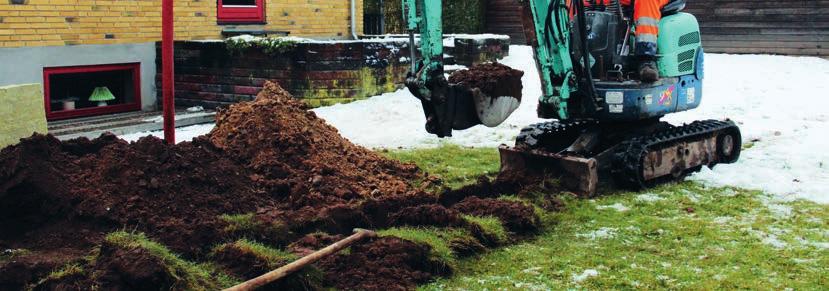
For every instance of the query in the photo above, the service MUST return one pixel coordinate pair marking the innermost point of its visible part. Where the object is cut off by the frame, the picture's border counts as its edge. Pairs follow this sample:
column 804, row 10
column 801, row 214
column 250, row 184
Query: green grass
column 677, row 236
column 274, row 257
column 189, row 275
column 456, row 166
column 243, row 225
column 491, row 225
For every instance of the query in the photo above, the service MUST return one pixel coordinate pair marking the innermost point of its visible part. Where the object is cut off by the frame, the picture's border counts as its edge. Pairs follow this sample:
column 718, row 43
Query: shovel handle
column 286, row 270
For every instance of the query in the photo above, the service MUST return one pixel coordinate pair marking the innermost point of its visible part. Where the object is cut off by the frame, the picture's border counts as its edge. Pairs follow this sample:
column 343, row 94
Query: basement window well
column 241, row 11
column 91, row 90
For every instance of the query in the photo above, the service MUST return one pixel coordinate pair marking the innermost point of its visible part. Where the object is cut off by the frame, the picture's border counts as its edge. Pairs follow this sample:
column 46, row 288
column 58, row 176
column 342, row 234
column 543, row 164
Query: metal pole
column 297, row 265
column 167, row 72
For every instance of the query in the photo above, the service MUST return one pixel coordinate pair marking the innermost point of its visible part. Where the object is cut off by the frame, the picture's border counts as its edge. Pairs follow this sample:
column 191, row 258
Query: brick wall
column 71, row 22
column 210, row 75
column 22, row 112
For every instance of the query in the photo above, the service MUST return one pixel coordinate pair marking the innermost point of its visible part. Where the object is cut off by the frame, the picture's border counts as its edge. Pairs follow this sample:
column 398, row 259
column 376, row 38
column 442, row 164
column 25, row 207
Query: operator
column 646, row 16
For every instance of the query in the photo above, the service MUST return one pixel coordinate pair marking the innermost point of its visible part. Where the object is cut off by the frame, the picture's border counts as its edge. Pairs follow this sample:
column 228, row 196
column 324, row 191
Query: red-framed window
column 67, row 90
column 241, row 11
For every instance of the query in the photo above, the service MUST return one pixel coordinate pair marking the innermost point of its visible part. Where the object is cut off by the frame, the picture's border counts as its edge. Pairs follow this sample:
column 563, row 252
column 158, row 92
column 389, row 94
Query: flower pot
column 68, row 105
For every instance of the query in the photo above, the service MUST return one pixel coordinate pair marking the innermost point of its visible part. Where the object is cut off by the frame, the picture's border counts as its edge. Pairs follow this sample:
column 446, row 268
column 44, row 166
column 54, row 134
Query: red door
column 241, row 11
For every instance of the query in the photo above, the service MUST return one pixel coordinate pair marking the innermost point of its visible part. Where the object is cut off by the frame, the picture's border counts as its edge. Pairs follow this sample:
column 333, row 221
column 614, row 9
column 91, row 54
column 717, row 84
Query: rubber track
column 627, row 162
column 541, row 135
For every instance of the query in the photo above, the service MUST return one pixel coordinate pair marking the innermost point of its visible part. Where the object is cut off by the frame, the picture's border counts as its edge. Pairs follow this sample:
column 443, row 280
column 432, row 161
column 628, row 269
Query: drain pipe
column 354, row 19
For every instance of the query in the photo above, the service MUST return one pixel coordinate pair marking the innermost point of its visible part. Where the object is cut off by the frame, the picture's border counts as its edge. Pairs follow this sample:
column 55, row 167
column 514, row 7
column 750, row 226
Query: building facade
column 75, row 47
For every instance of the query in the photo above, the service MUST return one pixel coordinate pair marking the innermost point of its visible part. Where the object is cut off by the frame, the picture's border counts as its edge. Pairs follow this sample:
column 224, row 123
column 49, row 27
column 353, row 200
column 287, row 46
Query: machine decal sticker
column 667, row 96
column 615, row 97
column 617, row 108
column 649, row 99
column 692, row 95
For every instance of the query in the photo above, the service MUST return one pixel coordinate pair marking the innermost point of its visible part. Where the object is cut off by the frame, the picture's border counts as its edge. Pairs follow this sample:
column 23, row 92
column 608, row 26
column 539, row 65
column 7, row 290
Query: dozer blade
column 576, row 174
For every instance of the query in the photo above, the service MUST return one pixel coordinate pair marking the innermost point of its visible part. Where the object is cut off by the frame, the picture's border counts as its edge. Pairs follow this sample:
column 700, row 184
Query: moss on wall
column 459, row 16
column 22, row 113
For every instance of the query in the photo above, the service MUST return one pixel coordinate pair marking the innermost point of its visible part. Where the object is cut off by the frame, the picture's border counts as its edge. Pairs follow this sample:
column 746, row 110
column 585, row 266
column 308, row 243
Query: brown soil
column 493, row 79
column 382, row 264
column 247, row 265
column 306, row 184
column 517, row 217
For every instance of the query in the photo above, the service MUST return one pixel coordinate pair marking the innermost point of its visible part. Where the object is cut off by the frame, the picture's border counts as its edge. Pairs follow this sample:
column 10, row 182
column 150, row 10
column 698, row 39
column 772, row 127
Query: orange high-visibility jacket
column 646, row 16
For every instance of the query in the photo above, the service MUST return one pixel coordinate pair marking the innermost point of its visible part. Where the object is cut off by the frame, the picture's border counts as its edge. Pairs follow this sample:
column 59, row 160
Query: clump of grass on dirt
column 189, row 275
column 454, row 165
column 491, row 225
column 246, row 225
column 309, row 278
column 274, row 257
column 439, row 239
column 65, row 271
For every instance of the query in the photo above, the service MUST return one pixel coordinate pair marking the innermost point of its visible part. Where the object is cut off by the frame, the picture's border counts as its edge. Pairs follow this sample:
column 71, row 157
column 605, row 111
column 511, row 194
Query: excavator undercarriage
column 587, row 155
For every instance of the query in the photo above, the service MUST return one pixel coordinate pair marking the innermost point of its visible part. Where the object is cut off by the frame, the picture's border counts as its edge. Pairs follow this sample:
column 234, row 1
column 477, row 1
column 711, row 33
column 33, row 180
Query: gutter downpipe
column 354, row 19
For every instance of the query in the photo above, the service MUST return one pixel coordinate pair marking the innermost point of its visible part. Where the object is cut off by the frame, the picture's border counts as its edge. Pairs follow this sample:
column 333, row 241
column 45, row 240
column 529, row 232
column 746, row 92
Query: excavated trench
column 303, row 184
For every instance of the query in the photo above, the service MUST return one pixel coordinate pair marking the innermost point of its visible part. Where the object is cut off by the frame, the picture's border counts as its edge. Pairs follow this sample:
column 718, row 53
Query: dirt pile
column 270, row 171
column 493, row 79
column 295, row 154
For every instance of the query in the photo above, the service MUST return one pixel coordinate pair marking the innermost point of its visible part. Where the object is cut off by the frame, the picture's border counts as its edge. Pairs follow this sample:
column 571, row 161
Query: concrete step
column 124, row 123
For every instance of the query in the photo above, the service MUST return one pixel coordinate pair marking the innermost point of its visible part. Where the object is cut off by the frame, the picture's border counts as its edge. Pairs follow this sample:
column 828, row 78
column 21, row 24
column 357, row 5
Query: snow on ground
column 182, row 134
column 782, row 108
column 780, row 103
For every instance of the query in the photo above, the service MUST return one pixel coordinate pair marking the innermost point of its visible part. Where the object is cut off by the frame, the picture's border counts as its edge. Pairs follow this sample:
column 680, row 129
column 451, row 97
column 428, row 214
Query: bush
column 459, row 16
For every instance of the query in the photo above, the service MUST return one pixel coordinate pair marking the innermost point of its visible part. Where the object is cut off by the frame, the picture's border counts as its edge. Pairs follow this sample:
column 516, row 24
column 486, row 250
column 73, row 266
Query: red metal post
column 167, row 85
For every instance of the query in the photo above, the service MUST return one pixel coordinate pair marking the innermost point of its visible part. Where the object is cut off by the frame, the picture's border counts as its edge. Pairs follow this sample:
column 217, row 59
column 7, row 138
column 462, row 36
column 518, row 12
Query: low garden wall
column 217, row 73
column 22, row 112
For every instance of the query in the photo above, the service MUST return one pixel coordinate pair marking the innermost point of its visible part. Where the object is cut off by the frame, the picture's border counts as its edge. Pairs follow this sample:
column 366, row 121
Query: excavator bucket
column 485, row 94
column 579, row 175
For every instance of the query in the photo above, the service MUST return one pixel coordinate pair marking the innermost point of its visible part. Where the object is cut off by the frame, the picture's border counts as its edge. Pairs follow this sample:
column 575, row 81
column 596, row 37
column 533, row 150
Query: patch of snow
column 183, row 134
column 618, row 207
column 694, row 197
column 160, row 119
column 531, row 286
column 533, row 270
column 752, row 90
column 601, row 233
column 770, row 239
column 578, row 278
column 454, row 67
column 648, row 197
column 820, row 245
column 195, row 109
column 723, row 219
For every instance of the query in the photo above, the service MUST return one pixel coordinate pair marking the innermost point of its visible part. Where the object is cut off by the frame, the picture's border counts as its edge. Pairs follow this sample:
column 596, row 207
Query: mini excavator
column 606, row 124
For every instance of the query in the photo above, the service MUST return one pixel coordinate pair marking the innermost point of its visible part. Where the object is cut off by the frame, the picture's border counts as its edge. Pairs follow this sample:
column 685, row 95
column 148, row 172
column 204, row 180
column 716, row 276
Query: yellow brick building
column 75, row 46
column 74, row 22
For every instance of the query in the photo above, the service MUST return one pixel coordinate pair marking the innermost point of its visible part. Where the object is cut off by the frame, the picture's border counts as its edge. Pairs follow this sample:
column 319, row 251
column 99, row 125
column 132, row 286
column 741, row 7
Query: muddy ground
column 299, row 183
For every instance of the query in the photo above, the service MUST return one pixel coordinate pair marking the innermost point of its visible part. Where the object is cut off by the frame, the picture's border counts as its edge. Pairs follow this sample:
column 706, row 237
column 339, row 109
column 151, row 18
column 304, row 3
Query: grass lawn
column 677, row 236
